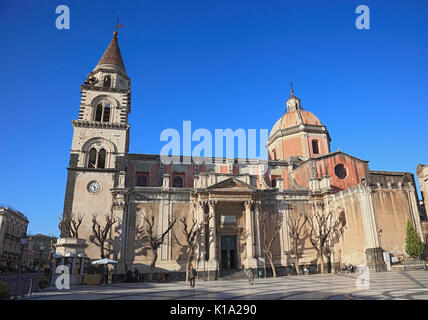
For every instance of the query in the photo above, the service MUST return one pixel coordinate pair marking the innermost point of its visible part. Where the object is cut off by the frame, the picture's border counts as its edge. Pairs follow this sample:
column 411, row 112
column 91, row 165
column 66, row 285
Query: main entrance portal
column 228, row 252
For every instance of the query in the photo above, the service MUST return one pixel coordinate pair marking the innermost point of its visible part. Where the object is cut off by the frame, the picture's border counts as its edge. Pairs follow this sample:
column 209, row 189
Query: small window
column 107, row 81
column 99, row 112
column 315, row 148
column 273, row 183
column 106, row 115
column 92, row 158
column 274, row 155
column 142, row 181
column 340, row 171
column 177, row 182
column 102, row 159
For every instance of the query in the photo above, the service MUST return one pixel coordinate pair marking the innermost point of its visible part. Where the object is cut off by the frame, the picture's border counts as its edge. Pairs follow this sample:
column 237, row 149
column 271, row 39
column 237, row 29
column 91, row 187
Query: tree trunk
column 296, row 253
column 102, row 250
column 189, row 263
column 297, row 264
column 269, row 254
column 322, row 263
column 153, row 264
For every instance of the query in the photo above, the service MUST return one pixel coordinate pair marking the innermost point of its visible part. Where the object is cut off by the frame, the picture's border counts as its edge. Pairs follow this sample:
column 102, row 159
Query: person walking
column 250, row 274
column 192, row 276
column 136, row 275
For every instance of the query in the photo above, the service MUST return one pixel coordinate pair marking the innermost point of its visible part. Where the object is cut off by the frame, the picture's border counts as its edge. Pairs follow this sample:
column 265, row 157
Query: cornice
column 309, row 128
column 104, row 89
column 101, row 125
column 110, row 71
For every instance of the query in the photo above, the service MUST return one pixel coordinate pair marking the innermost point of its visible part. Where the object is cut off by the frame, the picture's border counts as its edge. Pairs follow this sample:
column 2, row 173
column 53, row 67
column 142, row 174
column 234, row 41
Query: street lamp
column 264, row 260
column 22, row 242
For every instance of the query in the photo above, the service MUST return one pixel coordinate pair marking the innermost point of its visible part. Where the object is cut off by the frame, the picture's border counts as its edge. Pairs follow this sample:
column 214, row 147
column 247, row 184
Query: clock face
column 94, row 187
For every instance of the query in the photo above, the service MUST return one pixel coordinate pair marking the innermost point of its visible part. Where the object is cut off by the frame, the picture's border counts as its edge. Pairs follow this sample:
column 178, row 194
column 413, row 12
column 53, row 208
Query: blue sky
column 220, row 64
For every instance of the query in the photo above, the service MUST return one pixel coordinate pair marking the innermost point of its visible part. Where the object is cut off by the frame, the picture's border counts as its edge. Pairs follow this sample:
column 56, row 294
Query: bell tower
column 100, row 143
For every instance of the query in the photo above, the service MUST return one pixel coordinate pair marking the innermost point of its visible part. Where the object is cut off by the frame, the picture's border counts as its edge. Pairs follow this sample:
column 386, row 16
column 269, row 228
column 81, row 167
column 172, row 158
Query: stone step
column 233, row 275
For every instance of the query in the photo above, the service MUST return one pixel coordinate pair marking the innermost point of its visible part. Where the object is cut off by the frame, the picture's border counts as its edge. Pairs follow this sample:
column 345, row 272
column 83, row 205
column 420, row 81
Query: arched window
column 107, row 81
column 92, row 158
column 102, row 113
column 177, row 182
column 315, row 148
column 101, row 159
column 99, row 112
column 274, row 155
column 142, row 181
column 106, row 115
column 273, row 183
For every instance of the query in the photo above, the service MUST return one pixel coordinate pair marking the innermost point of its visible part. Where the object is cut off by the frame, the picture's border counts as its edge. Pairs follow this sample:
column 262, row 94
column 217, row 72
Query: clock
column 94, row 187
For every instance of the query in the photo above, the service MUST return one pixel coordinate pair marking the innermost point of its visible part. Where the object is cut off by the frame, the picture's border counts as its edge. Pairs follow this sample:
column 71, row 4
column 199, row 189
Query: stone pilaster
column 119, row 211
column 374, row 258
column 249, row 224
column 414, row 211
column 200, row 207
column 213, row 265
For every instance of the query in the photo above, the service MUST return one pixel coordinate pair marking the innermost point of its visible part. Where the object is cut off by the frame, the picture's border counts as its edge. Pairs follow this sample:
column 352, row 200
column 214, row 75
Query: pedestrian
column 192, row 276
column 136, row 275
column 250, row 275
column 306, row 270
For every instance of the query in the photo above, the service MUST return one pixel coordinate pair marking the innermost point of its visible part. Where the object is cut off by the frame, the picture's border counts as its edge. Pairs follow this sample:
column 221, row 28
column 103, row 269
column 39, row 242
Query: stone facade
column 105, row 179
column 13, row 226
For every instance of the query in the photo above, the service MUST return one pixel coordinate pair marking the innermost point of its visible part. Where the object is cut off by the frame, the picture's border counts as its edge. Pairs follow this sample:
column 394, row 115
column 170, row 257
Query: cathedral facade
column 302, row 174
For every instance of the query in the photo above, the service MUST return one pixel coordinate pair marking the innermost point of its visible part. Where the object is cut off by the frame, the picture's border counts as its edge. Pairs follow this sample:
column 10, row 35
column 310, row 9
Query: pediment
column 232, row 183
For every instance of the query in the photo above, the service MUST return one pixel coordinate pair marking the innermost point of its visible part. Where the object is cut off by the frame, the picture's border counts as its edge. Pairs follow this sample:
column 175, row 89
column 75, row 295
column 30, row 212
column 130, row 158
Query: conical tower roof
column 112, row 58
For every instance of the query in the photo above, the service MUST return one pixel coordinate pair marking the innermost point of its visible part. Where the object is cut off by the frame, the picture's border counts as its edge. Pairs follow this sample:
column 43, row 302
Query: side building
column 13, row 227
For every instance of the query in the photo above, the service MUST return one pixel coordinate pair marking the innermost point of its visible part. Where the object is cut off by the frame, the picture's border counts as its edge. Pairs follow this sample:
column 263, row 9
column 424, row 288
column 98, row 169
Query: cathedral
column 301, row 175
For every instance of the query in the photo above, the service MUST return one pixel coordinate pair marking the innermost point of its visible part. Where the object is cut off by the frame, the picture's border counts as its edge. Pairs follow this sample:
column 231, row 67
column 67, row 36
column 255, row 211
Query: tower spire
column 112, row 59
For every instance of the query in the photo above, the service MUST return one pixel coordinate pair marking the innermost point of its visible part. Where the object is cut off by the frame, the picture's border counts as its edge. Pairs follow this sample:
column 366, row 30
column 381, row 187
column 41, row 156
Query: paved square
column 387, row 285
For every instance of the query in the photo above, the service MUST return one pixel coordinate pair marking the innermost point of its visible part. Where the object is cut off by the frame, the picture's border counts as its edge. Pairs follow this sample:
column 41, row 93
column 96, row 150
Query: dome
column 295, row 118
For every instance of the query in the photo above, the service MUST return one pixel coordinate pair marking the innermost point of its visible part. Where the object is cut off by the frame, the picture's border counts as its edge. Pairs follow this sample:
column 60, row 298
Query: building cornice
column 104, row 89
column 104, row 70
column 308, row 128
column 99, row 125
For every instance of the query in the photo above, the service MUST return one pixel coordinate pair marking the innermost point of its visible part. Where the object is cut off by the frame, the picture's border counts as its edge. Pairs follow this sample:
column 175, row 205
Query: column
column 213, row 228
column 374, row 257
column 257, row 229
column 201, row 217
column 414, row 210
column 213, row 262
column 249, row 223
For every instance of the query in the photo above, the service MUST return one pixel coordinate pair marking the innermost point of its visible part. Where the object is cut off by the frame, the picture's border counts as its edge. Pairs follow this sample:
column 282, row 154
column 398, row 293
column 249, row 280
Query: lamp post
column 264, row 260
column 51, row 263
column 22, row 243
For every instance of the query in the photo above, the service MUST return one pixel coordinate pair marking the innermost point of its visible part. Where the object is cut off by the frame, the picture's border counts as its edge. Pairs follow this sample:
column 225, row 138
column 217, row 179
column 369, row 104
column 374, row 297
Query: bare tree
column 101, row 233
column 275, row 221
column 296, row 223
column 192, row 233
column 69, row 225
column 318, row 229
column 156, row 240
